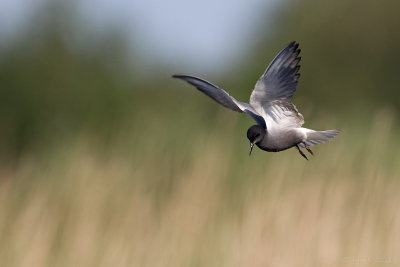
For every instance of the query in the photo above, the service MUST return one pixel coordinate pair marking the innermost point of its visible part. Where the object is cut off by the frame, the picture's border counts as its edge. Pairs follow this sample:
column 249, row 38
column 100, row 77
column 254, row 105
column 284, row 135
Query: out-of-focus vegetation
column 51, row 88
column 205, row 205
column 101, row 167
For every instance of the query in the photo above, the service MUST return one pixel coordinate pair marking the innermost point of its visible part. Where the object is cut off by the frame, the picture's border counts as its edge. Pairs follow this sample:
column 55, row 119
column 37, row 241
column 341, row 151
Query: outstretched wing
column 280, row 79
column 221, row 96
column 272, row 92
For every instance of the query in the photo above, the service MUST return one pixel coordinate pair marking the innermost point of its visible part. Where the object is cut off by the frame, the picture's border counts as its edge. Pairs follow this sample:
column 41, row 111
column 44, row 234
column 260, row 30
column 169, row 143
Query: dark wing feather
column 217, row 94
column 221, row 96
column 280, row 79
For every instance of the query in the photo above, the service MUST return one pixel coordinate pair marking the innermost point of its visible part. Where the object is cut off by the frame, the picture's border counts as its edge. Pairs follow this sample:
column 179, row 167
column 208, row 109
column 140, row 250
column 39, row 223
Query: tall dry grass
column 205, row 205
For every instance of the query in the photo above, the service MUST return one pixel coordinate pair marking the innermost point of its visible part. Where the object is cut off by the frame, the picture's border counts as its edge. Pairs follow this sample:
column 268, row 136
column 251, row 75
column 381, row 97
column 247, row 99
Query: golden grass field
column 205, row 204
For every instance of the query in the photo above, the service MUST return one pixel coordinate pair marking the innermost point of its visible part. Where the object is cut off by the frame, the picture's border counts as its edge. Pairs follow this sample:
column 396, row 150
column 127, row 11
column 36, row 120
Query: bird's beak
column 251, row 148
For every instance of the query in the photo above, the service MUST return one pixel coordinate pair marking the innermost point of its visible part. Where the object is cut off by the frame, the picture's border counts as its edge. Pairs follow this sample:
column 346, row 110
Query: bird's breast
column 276, row 141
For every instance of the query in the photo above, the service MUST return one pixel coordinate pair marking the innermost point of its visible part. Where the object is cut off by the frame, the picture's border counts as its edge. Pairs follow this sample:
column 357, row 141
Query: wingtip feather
column 178, row 76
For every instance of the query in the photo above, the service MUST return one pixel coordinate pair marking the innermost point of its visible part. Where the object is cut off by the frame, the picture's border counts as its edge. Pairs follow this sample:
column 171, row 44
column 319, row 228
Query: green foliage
column 50, row 89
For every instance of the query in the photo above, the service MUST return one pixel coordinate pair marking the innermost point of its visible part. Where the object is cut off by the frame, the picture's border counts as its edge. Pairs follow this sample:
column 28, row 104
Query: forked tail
column 318, row 137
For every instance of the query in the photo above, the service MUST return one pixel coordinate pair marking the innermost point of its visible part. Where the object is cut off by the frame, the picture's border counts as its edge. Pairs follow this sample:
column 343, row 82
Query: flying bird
column 279, row 123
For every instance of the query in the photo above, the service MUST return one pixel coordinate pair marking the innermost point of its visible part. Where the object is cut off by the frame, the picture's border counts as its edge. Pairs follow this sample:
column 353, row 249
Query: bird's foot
column 301, row 152
column 309, row 150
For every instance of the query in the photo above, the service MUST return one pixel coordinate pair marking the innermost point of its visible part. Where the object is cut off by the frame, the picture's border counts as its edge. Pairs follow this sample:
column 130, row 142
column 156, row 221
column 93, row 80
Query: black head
column 255, row 134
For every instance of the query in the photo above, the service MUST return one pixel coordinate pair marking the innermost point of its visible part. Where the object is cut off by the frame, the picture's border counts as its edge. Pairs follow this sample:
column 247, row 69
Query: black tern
column 278, row 120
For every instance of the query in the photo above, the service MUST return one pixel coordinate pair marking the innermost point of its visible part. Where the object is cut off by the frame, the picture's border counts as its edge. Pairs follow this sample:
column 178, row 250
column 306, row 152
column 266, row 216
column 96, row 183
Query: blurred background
column 107, row 161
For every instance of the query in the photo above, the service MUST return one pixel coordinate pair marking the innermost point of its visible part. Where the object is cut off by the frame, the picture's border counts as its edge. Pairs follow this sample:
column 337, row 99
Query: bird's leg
column 308, row 149
column 301, row 152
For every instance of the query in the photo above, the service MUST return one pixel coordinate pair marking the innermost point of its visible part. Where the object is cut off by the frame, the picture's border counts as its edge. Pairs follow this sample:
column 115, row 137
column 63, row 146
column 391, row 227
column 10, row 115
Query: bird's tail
column 318, row 137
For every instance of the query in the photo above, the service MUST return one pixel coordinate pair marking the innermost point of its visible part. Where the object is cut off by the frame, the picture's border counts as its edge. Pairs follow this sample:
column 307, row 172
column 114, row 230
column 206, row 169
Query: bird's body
column 280, row 140
column 279, row 123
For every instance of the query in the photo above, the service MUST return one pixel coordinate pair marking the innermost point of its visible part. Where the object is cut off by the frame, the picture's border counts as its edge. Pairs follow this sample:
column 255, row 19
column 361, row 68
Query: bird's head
column 255, row 134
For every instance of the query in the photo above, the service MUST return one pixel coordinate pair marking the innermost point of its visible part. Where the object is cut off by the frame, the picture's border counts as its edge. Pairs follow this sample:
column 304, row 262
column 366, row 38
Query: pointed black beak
column 251, row 148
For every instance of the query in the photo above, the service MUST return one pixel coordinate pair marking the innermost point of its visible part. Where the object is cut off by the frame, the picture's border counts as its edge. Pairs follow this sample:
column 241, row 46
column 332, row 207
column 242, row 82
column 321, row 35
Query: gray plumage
column 278, row 120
